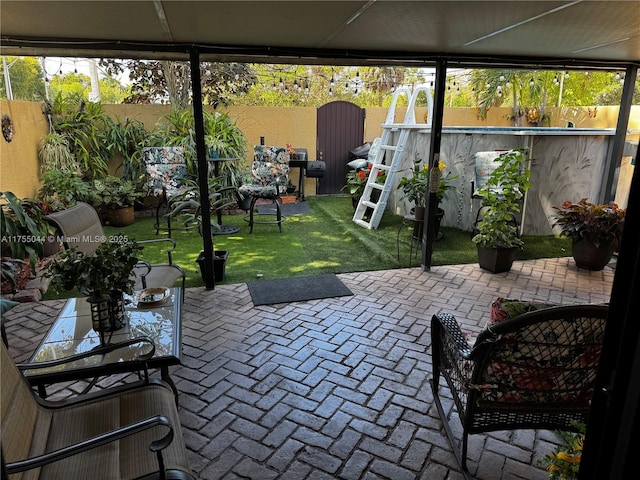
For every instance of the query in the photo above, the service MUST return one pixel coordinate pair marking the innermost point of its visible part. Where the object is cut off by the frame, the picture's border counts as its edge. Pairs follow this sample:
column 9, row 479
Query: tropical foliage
column 599, row 224
column 564, row 462
column 503, row 194
column 221, row 134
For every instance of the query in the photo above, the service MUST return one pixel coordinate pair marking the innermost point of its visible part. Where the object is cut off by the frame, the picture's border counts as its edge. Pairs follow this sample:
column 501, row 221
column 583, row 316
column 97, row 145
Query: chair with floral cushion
column 269, row 175
column 532, row 367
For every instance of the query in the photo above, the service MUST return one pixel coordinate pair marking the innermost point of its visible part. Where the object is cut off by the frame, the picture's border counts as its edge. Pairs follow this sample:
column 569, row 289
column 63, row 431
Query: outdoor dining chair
column 128, row 432
column 80, row 228
column 269, row 175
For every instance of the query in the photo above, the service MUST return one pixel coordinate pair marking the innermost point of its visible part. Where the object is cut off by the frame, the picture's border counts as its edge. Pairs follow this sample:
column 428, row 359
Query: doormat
column 297, row 289
column 285, row 208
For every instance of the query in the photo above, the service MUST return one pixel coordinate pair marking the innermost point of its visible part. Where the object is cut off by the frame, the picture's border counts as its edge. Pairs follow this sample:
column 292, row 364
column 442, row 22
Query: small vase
column 116, row 310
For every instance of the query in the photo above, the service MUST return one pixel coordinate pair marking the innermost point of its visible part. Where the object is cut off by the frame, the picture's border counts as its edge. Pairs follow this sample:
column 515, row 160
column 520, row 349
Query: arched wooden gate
column 340, row 128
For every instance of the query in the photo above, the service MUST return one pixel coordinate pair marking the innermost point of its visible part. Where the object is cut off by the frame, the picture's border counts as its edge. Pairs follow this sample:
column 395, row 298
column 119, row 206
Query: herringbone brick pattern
column 338, row 388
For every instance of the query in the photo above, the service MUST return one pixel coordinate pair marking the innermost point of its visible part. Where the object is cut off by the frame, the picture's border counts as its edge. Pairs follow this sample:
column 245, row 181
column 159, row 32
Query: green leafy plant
column 415, row 187
column 54, row 154
column 221, row 135
column 564, row 462
column 357, row 179
column 503, row 194
column 599, row 224
column 109, row 268
column 114, row 192
column 82, row 124
column 61, row 190
column 23, row 228
column 187, row 205
column 127, row 138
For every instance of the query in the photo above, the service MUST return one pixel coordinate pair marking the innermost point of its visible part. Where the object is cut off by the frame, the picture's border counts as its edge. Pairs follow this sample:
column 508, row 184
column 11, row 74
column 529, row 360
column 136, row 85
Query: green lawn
column 326, row 240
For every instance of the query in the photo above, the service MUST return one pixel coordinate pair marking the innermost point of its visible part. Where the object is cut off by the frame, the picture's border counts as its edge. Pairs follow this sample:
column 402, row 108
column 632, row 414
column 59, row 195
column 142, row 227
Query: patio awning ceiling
column 339, row 32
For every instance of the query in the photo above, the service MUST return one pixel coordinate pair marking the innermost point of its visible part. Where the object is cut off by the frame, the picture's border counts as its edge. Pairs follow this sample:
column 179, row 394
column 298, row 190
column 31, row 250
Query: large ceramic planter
column 496, row 260
column 219, row 264
column 121, row 217
column 589, row 256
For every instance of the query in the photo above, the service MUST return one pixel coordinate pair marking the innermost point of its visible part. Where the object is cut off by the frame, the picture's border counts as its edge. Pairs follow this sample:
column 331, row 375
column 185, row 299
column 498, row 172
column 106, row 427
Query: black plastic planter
column 219, row 264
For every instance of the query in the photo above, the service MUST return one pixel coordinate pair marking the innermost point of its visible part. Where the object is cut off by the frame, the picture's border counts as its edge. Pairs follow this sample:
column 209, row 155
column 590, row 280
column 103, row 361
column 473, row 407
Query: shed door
column 340, row 128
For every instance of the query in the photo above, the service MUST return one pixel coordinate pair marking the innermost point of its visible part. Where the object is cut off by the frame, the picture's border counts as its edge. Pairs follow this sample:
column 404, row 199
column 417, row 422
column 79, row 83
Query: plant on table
column 187, row 205
column 109, row 268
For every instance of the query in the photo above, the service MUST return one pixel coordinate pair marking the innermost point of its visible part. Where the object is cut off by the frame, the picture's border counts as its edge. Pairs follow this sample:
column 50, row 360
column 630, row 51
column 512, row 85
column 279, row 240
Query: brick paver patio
column 338, row 388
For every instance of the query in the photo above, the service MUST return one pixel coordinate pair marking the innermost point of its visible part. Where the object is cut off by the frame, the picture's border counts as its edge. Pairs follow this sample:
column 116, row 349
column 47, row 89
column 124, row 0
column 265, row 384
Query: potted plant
column 23, row 230
column 496, row 235
column 564, row 462
column 61, row 190
column 116, row 197
column 109, row 270
column 415, row 190
column 595, row 231
column 357, row 180
column 187, row 207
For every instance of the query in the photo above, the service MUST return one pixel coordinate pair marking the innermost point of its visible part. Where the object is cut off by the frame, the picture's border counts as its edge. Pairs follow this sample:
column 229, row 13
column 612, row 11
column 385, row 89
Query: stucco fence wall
column 19, row 166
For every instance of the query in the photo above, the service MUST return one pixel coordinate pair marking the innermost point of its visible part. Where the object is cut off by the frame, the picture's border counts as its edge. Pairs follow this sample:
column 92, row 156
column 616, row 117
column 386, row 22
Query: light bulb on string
column 281, row 83
column 532, row 82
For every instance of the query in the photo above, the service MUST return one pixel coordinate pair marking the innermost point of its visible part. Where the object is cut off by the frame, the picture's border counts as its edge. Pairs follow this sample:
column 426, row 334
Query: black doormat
column 297, row 289
column 286, row 208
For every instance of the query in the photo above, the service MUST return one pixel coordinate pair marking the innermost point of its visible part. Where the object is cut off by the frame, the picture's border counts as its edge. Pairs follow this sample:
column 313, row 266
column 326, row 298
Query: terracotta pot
column 589, row 256
column 496, row 260
column 121, row 217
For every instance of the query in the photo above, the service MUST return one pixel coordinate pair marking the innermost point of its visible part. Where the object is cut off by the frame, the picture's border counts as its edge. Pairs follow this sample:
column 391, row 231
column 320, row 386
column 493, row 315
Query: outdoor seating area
column 337, row 387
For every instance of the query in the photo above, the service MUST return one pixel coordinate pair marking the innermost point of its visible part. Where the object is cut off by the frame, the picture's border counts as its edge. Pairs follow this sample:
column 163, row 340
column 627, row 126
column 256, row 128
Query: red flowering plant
column 357, row 179
column 599, row 224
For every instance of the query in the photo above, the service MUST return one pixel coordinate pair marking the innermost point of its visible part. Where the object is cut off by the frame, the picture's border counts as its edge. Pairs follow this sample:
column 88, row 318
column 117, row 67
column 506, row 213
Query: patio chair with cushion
column 269, row 175
column 80, row 228
column 129, row 432
column 532, row 367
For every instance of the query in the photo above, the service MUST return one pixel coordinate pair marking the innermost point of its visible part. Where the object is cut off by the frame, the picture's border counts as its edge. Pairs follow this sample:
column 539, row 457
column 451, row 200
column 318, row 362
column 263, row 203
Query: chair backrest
column 18, row 412
column 542, row 360
column 271, row 166
column 166, row 167
column 79, row 227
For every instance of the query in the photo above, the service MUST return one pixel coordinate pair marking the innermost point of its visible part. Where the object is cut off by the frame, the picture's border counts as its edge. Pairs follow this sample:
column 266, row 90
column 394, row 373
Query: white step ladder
column 390, row 129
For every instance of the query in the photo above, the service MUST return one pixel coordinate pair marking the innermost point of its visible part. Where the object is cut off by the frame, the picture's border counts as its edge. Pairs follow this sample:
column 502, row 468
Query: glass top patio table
column 72, row 333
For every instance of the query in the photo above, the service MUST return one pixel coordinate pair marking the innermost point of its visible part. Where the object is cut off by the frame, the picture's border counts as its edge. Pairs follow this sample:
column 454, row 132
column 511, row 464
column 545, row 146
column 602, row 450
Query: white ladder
column 379, row 165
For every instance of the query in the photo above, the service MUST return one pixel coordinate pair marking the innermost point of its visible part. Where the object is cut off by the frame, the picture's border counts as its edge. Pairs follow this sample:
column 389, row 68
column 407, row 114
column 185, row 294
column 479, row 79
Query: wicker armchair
column 533, row 371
